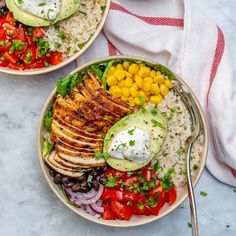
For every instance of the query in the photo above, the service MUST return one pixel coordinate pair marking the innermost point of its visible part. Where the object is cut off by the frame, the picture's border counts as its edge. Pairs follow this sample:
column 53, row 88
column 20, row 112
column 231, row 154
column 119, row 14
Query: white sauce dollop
column 47, row 9
column 132, row 144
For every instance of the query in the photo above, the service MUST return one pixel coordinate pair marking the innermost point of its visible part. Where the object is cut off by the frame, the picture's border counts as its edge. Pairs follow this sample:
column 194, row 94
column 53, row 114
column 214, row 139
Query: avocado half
column 68, row 8
column 150, row 120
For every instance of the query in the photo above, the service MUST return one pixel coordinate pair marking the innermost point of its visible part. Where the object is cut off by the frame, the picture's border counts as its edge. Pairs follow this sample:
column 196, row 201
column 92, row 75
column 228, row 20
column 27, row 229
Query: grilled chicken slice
column 106, row 101
column 69, row 164
column 83, row 161
column 81, row 143
column 70, row 172
column 67, row 133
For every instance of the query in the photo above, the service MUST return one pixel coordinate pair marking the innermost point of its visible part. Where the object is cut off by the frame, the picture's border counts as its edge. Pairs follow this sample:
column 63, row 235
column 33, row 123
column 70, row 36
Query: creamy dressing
column 47, row 9
column 132, row 144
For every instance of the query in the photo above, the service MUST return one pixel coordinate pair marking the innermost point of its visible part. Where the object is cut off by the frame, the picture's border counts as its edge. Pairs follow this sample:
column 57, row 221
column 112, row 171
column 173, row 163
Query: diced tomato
column 20, row 52
column 106, row 194
column 147, row 174
column 10, row 18
column 123, row 212
column 56, row 58
column 108, row 214
column 172, row 195
column 30, row 41
column 2, row 34
column 2, row 21
column 131, row 180
column 30, row 60
column 3, row 63
column 20, row 34
column 6, row 47
column 117, row 195
column 8, row 26
column 130, row 196
column 154, row 191
column 11, row 57
column 138, row 210
column 154, row 210
column 37, row 64
column 15, row 66
column 37, row 32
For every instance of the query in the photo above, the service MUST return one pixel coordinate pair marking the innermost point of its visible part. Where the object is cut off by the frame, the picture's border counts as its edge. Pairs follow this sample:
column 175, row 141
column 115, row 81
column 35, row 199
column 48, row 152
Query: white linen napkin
column 179, row 36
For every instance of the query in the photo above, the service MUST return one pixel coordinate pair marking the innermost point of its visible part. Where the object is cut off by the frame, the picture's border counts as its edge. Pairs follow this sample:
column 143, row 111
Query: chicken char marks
column 80, row 121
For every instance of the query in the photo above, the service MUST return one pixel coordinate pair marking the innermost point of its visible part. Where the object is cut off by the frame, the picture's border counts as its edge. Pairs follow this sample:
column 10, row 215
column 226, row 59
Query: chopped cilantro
column 131, row 143
column 80, row 170
column 195, row 167
column 105, row 118
column 121, row 144
column 16, row 45
column 103, row 8
column 166, row 181
column 140, row 205
column 129, row 203
column 129, row 173
column 202, row 193
column 154, row 112
column 98, row 155
column 3, row 42
column 182, row 150
column 41, row 4
column 156, row 123
column 141, row 100
column 157, row 166
column 61, row 34
column 81, row 45
column 131, row 132
column 151, row 202
column 111, row 182
column 57, row 45
column 89, row 179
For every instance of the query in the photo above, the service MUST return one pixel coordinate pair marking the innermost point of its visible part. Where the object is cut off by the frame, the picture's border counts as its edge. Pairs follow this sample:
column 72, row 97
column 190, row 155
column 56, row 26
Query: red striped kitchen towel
column 177, row 34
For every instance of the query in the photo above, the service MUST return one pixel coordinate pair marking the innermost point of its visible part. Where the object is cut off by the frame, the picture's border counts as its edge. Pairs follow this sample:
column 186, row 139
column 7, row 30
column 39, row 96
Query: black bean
column 95, row 184
column 81, row 179
column 84, row 183
column 95, row 173
column 103, row 179
column 84, row 189
column 65, row 180
column 52, row 173
column 57, row 179
column 76, row 188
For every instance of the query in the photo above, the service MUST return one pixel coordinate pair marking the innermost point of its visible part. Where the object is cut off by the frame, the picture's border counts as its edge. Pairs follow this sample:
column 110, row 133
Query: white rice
column 77, row 29
column 173, row 153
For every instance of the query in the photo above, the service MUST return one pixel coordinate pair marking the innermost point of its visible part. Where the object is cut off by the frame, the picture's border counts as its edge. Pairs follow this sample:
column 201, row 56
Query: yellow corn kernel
column 147, row 93
column 141, row 94
column 139, row 100
column 146, row 87
column 111, row 71
column 111, row 80
column 144, row 71
column 131, row 102
column 133, row 69
column 124, row 99
column 121, row 83
column 148, row 80
column 115, row 91
column 139, row 81
column 153, row 73
column 144, row 105
column 141, row 65
column 164, row 90
column 133, row 91
column 119, row 74
column 126, row 91
column 157, row 99
column 159, row 79
column 155, row 89
column 135, row 86
column 128, row 82
column 126, row 65
column 127, row 74
column 119, row 67
column 168, row 83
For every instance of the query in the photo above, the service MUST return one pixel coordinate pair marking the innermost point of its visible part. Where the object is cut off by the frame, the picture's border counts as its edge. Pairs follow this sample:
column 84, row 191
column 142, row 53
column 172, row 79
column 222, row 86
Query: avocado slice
column 150, row 120
column 25, row 17
column 68, row 7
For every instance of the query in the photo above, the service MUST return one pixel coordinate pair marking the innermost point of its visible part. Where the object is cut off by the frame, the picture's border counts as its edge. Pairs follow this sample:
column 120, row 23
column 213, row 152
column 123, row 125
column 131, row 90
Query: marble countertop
column 28, row 206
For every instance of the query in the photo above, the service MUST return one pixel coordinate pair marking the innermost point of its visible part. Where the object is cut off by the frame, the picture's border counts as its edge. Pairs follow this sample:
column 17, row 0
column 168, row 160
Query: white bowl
column 135, row 220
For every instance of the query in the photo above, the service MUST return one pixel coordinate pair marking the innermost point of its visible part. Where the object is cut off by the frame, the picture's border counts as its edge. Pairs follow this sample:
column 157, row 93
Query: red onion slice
column 96, row 208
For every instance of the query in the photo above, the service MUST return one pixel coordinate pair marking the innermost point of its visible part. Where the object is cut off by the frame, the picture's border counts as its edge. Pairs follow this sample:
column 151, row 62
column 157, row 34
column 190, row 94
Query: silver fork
column 196, row 129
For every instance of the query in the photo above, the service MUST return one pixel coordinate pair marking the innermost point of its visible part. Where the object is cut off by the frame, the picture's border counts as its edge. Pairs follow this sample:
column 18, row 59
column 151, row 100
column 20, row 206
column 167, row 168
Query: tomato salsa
column 23, row 47
column 135, row 193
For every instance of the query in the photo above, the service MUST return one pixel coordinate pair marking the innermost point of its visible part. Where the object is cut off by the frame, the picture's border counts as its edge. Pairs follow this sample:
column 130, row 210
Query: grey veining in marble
column 28, row 207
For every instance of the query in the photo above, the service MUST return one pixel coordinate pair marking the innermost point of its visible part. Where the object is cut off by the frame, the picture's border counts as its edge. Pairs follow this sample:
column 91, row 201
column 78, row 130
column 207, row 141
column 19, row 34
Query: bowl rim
column 87, row 216
column 68, row 60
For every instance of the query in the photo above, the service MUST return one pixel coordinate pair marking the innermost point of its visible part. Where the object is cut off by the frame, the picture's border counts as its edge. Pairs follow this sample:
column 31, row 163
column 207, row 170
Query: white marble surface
column 28, row 206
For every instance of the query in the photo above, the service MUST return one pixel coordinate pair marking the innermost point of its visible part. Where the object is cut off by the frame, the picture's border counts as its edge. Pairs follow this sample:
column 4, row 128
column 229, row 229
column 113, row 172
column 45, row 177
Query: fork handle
column 192, row 203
